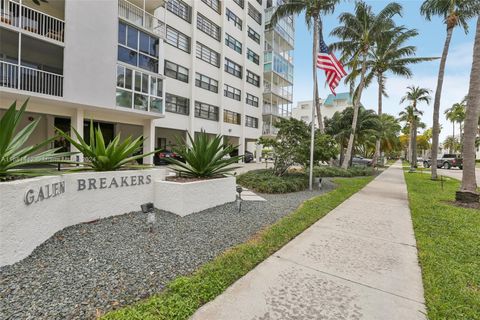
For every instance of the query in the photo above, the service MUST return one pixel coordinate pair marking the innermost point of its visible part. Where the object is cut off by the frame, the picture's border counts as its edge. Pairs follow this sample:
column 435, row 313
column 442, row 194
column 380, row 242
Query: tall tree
column 414, row 96
column 391, row 55
column 456, row 114
column 314, row 9
column 454, row 13
column 359, row 32
column 468, row 190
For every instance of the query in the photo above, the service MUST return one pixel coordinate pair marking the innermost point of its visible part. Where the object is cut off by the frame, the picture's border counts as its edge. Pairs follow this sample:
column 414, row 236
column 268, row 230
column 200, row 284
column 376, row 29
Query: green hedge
column 328, row 171
column 265, row 181
column 185, row 295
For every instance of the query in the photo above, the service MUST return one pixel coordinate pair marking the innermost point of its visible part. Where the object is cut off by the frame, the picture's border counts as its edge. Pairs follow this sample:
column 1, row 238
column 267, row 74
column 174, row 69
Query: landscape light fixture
column 239, row 198
column 150, row 210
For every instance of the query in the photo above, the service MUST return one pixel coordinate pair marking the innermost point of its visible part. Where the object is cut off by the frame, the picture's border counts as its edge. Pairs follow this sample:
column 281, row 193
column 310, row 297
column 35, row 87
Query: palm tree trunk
column 356, row 106
column 453, row 123
column 410, row 144
column 414, row 146
column 380, row 110
column 316, row 98
column 436, row 103
column 468, row 190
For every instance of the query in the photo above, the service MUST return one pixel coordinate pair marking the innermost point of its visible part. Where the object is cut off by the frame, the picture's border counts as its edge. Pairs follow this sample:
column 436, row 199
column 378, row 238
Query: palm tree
column 455, row 13
column 414, row 96
column 391, row 55
column 359, row 32
column 456, row 114
column 314, row 9
column 468, row 190
column 451, row 143
column 388, row 133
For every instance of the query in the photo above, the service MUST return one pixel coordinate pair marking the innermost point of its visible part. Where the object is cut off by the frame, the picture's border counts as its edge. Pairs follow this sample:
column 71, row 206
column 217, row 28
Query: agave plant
column 17, row 159
column 205, row 157
column 113, row 156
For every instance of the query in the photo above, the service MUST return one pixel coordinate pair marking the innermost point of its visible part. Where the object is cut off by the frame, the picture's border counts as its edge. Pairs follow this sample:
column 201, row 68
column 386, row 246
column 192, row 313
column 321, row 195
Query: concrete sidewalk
column 358, row 262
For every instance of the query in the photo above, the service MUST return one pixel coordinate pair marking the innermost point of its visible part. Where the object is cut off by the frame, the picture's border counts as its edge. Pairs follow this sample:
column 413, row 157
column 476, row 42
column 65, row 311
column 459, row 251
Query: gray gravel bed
column 88, row 269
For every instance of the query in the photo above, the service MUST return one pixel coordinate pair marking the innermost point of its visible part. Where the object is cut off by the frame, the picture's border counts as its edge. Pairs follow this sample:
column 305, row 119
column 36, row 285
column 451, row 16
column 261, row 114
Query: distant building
column 303, row 110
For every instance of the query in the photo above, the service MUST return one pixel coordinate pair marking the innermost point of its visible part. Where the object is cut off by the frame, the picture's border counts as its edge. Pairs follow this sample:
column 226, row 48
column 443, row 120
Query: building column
column 258, row 153
column 149, row 143
column 76, row 122
column 241, row 147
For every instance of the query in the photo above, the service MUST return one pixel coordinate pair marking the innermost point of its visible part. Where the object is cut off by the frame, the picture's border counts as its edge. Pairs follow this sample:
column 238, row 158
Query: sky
column 429, row 43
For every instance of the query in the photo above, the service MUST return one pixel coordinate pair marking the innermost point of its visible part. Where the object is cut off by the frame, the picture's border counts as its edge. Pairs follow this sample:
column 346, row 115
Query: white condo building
column 278, row 69
column 139, row 67
column 303, row 110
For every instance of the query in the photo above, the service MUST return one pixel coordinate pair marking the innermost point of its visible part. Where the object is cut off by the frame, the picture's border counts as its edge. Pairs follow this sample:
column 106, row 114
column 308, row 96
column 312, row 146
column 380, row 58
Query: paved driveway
column 457, row 173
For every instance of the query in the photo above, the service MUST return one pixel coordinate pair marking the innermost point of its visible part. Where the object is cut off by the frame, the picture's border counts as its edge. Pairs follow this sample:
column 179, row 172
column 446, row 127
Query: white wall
column 23, row 227
column 91, row 36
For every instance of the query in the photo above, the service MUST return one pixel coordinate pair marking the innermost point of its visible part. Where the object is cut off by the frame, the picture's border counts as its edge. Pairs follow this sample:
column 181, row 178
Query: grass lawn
column 185, row 295
column 448, row 240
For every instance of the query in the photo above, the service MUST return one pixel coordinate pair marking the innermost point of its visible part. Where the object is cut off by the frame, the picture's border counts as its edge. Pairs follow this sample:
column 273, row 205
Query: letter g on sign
column 29, row 197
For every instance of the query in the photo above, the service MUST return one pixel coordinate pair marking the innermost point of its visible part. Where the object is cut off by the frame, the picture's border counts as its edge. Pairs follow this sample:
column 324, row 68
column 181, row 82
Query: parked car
column 447, row 161
column 248, row 157
column 361, row 161
column 161, row 156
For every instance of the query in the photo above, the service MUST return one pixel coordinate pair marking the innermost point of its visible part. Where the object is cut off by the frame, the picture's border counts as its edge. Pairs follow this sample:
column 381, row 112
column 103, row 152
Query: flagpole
column 314, row 104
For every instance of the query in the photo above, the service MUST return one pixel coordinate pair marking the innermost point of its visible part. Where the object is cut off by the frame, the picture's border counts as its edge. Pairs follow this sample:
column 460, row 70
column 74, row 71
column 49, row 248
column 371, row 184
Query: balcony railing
column 31, row 20
column 139, row 17
column 275, row 110
column 29, row 79
column 279, row 91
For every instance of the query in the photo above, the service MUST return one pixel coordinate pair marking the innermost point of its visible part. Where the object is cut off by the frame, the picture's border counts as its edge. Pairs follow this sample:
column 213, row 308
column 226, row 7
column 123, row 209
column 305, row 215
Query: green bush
column 265, row 181
column 205, row 157
column 328, row 171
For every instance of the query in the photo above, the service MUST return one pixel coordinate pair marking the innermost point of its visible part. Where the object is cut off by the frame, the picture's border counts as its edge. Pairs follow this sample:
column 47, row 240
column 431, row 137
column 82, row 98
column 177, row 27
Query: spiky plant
column 115, row 155
column 16, row 159
column 205, row 157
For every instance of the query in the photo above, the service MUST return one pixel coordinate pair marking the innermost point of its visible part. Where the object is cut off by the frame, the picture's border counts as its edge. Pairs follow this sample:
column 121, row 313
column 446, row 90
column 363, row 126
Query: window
column 206, row 111
column 241, row 3
column 252, row 56
column 208, row 55
column 180, row 9
column 252, row 34
column 233, row 43
column 138, row 90
column 208, row 27
column 178, row 39
column 231, row 92
column 137, row 48
column 252, row 100
column 251, row 122
column 214, row 4
column 176, row 71
column 176, row 104
column 206, row 83
column 252, row 12
column 233, row 68
column 231, row 117
column 237, row 22
column 252, row 78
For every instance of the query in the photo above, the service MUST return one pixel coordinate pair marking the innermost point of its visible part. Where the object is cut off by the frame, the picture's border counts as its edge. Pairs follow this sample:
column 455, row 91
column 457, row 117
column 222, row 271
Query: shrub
column 328, row 171
column 14, row 156
column 265, row 181
column 206, row 157
column 106, row 158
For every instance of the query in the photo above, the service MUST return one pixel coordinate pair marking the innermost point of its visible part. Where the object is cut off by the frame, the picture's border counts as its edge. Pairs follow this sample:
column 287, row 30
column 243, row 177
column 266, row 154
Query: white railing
column 279, row 91
column 141, row 18
column 31, row 20
column 29, row 79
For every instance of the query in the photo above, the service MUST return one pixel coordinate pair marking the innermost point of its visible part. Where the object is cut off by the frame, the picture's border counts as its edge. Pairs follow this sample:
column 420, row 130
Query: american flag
column 327, row 61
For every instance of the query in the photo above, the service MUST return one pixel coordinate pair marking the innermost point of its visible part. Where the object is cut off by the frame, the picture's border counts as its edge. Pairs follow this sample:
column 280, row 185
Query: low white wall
column 32, row 210
column 195, row 196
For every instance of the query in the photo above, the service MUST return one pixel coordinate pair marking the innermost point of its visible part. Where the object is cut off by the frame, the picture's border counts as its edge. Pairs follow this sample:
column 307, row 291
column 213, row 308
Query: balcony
column 19, row 77
column 282, row 92
column 276, row 110
column 284, row 28
column 141, row 18
column 33, row 21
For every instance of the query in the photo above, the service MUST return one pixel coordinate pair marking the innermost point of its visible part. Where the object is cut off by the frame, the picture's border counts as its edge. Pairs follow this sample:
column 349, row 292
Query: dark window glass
column 127, row 55
column 132, row 37
column 122, row 33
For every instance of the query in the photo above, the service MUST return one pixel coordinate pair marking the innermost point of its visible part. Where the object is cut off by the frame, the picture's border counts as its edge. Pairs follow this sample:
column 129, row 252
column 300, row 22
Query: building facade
column 278, row 69
column 139, row 67
column 332, row 104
